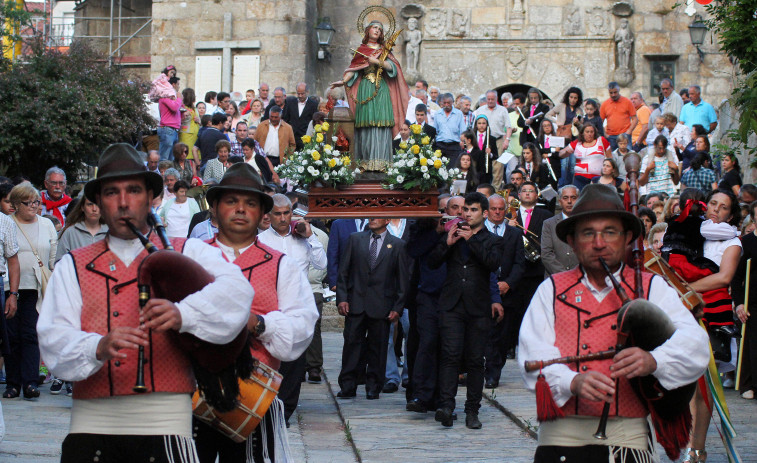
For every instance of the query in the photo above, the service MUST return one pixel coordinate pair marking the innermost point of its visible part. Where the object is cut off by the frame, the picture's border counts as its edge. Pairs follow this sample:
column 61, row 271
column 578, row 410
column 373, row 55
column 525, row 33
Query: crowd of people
column 429, row 304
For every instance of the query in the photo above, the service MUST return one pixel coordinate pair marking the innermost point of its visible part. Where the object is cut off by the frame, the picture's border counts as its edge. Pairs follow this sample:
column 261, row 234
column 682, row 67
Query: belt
column 167, row 127
column 448, row 143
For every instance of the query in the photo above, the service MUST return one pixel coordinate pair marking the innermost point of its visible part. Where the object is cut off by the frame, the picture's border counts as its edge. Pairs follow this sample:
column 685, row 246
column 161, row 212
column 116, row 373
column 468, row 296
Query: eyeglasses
column 34, row 203
column 60, row 183
column 609, row 235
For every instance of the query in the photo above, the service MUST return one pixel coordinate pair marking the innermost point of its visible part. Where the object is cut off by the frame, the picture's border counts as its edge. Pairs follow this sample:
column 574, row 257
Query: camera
column 297, row 228
column 455, row 221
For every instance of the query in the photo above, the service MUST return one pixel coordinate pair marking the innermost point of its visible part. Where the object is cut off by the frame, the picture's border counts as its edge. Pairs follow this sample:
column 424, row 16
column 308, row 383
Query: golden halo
column 376, row 9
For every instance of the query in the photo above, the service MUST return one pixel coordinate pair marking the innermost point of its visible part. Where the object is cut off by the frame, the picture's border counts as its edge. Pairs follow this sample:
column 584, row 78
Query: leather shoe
column 416, row 406
column 491, row 384
column 372, row 395
column 346, row 395
column 389, row 388
column 314, row 376
column 472, row 421
column 444, row 416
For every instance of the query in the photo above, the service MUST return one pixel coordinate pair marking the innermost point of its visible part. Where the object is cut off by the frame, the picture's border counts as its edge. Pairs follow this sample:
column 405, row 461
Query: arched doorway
column 518, row 88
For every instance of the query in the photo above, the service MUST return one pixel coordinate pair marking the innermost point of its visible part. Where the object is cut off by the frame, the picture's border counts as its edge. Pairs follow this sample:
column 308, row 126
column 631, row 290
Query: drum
column 256, row 394
column 693, row 301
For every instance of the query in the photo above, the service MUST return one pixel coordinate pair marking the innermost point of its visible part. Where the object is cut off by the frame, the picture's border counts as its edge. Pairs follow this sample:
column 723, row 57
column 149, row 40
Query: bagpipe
column 234, row 390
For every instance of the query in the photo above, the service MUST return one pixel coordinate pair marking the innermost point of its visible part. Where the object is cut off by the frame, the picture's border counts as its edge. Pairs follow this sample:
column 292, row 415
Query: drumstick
column 743, row 327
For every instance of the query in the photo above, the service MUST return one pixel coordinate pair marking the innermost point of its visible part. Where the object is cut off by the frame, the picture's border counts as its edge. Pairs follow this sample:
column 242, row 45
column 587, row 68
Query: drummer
column 283, row 313
column 575, row 312
column 90, row 328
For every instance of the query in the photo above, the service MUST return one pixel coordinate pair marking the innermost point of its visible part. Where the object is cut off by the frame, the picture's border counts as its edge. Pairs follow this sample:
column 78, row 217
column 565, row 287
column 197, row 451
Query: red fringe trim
column 673, row 435
column 546, row 408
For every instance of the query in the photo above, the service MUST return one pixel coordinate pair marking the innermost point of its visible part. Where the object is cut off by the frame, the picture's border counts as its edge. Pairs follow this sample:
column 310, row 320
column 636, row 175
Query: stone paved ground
column 382, row 431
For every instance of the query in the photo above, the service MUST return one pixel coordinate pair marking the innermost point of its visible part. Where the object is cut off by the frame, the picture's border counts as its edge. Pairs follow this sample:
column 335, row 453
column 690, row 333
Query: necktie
column 496, row 227
column 533, row 110
column 374, row 249
column 528, row 219
column 481, row 141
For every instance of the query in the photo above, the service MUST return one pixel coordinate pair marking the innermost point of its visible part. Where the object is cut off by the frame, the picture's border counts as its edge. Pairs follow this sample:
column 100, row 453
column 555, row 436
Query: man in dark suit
column 508, row 277
column 370, row 293
column 279, row 99
column 471, row 253
column 556, row 254
column 531, row 218
column 421, row 118
column 298, row 112
column 534, row 113
column 339, row 235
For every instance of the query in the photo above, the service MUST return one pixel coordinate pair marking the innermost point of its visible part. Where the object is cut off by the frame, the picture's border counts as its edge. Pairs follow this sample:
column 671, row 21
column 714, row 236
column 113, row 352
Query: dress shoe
column 472, row 421
column 346, row 395
column 389, row 388
column 405, row 383
column 491, row 384
column 416, row 406
column 511, row 354
column 372, row 395
column 444, row 416
column 314, row 376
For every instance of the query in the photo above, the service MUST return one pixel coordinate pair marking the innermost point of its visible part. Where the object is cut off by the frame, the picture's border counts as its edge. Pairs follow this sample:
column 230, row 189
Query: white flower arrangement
column 416, row 164
column 318, row 161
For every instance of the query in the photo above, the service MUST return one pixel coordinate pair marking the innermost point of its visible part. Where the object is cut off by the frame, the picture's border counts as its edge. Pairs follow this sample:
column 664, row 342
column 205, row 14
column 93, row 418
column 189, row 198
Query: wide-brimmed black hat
column 598, row 200
column 121, row 160
column 241, row 177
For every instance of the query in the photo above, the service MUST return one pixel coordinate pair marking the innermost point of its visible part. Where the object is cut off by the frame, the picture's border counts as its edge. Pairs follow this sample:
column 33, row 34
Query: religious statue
column 413, row 40
column 377, row 92
column 624, row 41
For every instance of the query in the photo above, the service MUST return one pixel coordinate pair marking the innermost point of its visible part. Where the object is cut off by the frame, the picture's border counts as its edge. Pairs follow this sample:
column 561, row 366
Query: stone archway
column 519, row 88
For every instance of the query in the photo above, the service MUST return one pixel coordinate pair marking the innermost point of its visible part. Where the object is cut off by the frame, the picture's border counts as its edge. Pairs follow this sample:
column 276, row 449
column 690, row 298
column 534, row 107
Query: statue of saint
column 378, row 97
column 413, row 39
column 624, row 41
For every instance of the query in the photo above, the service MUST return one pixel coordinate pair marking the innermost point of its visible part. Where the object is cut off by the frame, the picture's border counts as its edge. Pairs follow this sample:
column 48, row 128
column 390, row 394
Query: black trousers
column 425, row 369
column 497, row 343
column 211, row 443
column 22, row 365
column 585, row 454
column 314, row 352
column 372, row 335
column 105, row 448
column 521, row 298
column 463, row 337
column 749, row 362
column 451, row 150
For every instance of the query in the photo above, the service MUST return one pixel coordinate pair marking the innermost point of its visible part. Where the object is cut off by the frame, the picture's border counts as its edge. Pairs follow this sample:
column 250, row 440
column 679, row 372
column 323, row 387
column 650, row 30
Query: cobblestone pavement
column 380, row 430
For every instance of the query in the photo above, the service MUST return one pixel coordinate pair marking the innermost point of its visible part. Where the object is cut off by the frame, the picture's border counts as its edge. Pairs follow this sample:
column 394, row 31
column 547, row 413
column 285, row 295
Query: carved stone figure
column 436, row 21
column 573, row 24
column 516, row 58
column 517, row 6
column 413, row 39
column 458, row 24
column 596, row 22
column 624, row 42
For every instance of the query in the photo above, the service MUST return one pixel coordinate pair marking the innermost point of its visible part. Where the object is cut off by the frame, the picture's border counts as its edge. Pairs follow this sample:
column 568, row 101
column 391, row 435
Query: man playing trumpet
column 575, row 312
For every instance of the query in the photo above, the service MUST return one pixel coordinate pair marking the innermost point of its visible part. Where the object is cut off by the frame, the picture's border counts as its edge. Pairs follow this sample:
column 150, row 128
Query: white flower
column 334, row 138
column 311, row 170
column 400, row 163
column 424, row 169
column 443, row 175
column 300, row 170
column 325, row 175
column 318, row 162
column 336, row 153
column 410, row 162
column 400, row 179
column 426, row 176
column 304, row 162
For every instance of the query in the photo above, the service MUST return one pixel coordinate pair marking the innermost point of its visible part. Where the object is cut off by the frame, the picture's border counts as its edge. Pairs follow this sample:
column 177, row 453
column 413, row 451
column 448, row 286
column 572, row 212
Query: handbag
column 45, row 272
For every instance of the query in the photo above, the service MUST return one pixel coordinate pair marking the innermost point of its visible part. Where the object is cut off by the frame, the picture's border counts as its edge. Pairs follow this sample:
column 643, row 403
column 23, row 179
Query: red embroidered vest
column 260, row 264
column 582, row 326
column 110, row 299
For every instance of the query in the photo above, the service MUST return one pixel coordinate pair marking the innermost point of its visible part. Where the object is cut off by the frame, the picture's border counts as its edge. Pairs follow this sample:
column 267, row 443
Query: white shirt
column 499, row 119
column 719, row 237
column 305, row 251
column 215, row 314
column 301, row 106
column 680, row 360
column 289, row 330
column 271, row 147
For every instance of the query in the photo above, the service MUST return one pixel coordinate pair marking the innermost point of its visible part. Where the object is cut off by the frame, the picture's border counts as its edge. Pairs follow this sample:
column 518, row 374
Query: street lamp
column 697, row 32
column 324, row 32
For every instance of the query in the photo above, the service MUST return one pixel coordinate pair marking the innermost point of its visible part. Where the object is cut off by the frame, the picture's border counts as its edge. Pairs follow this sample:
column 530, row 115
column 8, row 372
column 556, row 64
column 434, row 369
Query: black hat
column 598, row 200
column 241, row 177
column 121, row 160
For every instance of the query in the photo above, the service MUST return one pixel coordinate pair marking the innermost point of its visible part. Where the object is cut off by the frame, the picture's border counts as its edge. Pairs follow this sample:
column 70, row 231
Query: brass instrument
column 531, row 249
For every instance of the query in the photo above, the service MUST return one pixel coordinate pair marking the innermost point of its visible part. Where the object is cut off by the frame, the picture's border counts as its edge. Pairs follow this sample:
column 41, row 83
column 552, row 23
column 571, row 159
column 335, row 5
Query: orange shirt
column 618, row 115
column 642, row 114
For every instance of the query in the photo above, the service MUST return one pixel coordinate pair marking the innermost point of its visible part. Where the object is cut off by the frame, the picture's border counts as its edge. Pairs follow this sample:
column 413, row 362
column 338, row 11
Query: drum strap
column 279, row 435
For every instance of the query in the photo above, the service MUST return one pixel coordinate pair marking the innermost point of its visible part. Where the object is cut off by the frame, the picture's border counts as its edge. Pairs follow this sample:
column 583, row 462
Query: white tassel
column 169, row 449
column 281, row 451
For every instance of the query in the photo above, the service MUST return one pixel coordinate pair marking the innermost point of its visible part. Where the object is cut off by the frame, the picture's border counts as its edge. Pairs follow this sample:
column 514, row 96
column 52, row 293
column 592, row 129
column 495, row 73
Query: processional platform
column 368, row 199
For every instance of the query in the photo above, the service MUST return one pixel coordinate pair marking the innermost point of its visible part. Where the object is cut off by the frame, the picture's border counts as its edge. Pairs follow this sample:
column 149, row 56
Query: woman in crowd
column 660, row 169
column 568, row 113
column 672, row 206
column 531, row 163
column 591, row 109
column 551, row 153
column 83, row 227
column 655, row 236
column 610, row 176
column 6, row 206
column 748, row 379
column 233, row 111
column 201, row 108
column 256, row 113
column 190, row 119
column 404, row 135
column 215, row 168
column 254, row 156
column 467, row 172
column 484, row 148
column 648, row 219
column 687, row 153
column 318, row 118
column 37, row 242
column 731, row 170
column 178, row 212
column 181, row 163
column 677, row 133
column 699, row 175
column 590, row 152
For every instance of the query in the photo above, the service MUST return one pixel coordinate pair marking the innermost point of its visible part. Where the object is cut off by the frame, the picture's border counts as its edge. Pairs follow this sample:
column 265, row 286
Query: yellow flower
column 319, row 137
column 415, row 149
column 424, row 161
column 425, row 141
column 327, row 148
column 346, row 160
column 437, row 163
column 332, row 162
column 316, row 155
column 325, row 126
column 438, row 153
column 318, row 128
column 403, row 145
column 416, row 129
column 306, row 139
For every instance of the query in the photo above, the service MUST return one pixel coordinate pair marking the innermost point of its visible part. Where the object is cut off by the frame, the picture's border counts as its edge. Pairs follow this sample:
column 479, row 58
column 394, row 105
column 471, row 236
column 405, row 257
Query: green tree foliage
column 12, row 21
column 64, row 109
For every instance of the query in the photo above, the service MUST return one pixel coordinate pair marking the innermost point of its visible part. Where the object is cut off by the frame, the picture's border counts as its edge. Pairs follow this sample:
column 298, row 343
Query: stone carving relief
column 413, row 39
column 452, row 22
column 517, row 16
column 516, row 60
column 572, row 20
column 458, row 22
column 435, row 22
column 597, row 21
column 624, row 41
